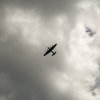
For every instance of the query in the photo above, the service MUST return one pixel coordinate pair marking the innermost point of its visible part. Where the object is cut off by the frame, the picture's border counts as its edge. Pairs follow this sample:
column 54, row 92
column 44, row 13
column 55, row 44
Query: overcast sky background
column 27, row 28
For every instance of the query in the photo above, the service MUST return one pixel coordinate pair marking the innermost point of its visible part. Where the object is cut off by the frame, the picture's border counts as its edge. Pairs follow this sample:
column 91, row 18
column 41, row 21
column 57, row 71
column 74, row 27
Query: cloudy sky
column 27, row 28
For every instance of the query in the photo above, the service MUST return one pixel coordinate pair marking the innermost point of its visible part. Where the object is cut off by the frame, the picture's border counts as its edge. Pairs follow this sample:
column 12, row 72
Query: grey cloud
column 12, row 63
column 46, row 8
column 26, row 72
column 26, row 68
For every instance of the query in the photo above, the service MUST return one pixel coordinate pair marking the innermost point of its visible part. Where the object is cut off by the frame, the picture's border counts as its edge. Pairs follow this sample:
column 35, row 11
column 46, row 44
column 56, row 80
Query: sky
column 27, row 28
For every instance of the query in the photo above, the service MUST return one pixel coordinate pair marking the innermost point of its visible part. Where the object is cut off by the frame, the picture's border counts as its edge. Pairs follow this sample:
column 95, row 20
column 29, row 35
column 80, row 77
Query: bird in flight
column 90, row 32
column 50, row 49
